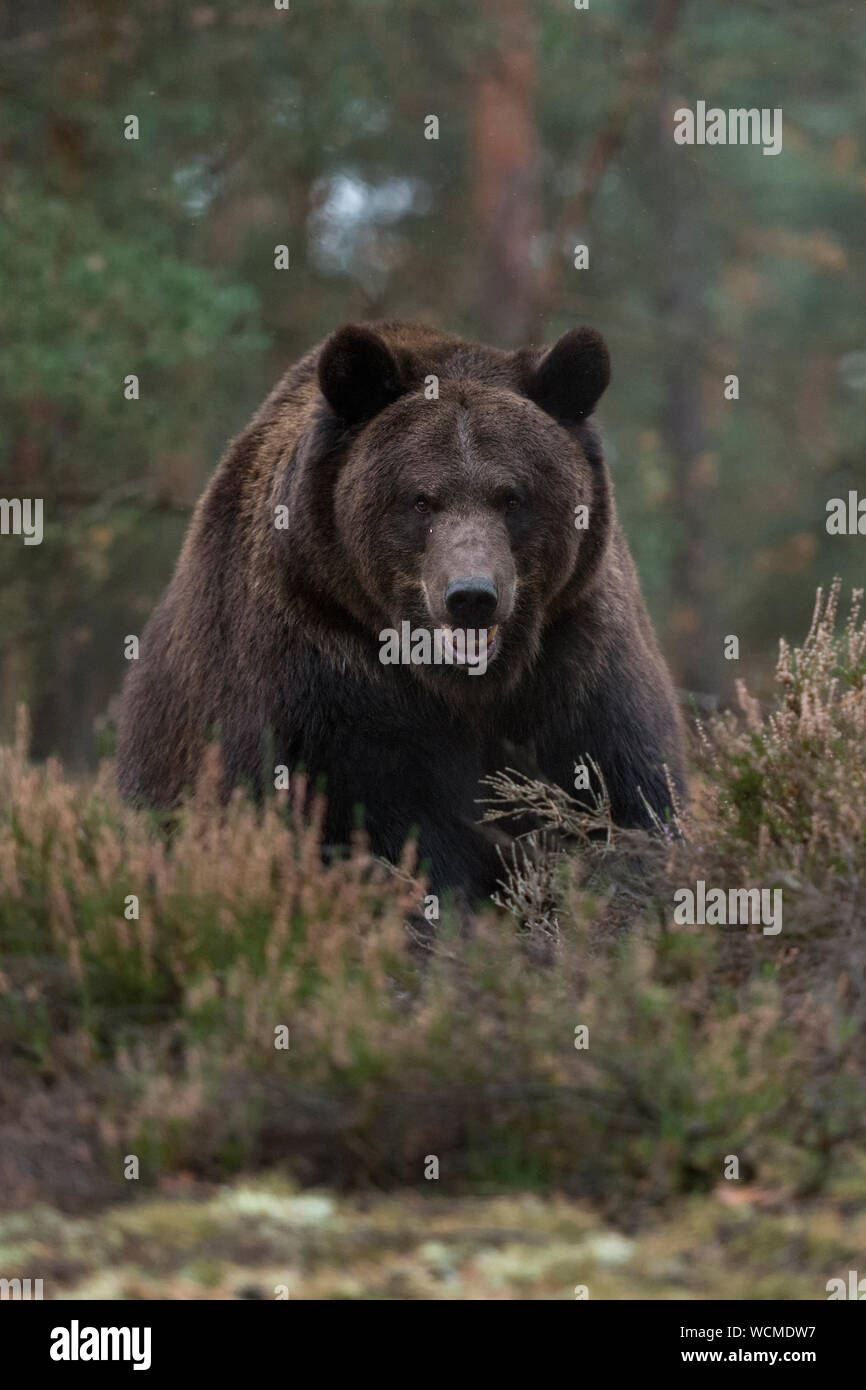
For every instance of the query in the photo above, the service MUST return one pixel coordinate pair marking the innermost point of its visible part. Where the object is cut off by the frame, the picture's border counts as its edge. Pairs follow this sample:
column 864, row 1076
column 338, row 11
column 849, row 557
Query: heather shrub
column 572, row 1037
column 790, row 785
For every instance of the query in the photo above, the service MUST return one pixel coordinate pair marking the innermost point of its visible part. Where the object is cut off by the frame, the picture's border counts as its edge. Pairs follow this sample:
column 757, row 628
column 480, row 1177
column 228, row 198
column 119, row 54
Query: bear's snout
column 469, row 575
column 471, row 601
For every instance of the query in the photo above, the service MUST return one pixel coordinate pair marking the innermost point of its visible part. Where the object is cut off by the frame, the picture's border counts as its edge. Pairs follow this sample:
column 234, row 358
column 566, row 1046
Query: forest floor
column 262, row 1239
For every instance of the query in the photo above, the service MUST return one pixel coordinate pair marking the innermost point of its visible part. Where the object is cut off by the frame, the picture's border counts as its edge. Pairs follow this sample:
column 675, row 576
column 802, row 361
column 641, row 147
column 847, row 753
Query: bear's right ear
column 358, row 374
column 571, row 377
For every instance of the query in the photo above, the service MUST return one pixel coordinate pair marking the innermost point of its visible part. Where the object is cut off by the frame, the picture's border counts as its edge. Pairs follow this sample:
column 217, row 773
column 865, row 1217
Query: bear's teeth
column 469, row 651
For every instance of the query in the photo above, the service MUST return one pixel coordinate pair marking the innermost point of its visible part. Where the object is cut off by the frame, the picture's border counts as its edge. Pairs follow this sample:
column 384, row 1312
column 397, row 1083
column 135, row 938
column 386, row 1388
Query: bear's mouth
column 469, row 646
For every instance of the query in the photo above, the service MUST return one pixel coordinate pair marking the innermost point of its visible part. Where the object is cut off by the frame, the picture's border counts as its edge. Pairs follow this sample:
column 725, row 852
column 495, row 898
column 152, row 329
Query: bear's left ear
column 358, row 374
column 571, row 377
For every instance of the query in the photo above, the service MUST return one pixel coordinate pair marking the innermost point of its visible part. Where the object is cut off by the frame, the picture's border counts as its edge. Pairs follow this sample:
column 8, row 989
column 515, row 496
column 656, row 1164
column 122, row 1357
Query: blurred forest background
column 305, row 127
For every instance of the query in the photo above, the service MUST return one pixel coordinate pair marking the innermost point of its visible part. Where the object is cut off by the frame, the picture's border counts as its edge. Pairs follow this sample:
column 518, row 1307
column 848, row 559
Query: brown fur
column 270, row 638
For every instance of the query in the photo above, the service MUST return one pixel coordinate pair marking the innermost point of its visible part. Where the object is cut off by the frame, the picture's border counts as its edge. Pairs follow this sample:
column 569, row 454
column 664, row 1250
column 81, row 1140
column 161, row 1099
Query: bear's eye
column 421, row 504
column 512, row 503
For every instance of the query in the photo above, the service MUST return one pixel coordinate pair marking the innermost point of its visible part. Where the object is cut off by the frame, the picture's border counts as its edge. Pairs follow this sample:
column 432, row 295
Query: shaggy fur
column 269, row 638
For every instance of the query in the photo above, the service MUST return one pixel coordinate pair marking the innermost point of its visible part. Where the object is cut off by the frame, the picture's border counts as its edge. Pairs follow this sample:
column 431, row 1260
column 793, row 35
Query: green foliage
column 259, row 127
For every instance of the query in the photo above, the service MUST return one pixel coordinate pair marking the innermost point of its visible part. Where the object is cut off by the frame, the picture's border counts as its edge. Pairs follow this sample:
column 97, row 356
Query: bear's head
column 454, row 488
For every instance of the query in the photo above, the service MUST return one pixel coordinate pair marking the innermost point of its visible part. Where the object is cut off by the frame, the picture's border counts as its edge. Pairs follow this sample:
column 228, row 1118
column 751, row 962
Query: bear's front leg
column 398, row 789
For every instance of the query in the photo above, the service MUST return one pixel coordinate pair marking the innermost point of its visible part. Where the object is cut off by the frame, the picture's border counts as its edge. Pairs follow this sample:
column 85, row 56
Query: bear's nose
column 471, row 602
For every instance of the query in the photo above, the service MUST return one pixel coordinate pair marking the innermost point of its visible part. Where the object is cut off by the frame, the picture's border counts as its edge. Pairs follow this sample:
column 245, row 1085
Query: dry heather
column 148, row 965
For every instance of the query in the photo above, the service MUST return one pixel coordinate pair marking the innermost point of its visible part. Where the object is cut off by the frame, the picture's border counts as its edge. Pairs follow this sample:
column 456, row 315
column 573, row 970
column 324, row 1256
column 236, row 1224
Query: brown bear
column 398, row 484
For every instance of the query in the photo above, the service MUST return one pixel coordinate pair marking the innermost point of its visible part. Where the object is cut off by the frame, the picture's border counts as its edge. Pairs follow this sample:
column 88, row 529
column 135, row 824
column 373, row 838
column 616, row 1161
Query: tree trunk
column 505, row 177
column 694, row 638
